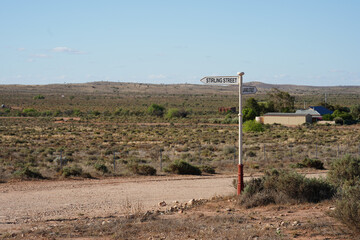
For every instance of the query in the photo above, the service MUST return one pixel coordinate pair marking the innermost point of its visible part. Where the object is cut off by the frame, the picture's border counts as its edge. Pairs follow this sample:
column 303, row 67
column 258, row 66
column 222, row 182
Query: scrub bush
column 207, row 169
column 347, row 208
column 345, row 170
column 310, row 163
column 182, row 167
column 71, row 171
column 27, row 173
column 145, row 170
column 101, row 167
column 284, row 187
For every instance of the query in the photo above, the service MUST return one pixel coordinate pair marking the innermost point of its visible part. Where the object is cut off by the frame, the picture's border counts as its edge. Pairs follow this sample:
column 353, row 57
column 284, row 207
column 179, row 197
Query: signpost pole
column 240, row 186
column 233, row 80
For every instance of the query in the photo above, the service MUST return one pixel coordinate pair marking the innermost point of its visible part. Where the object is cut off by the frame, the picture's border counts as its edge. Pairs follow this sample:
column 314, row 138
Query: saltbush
column 284, row 187
column 207, row 169
column 101, row 167
column 344, row 170
column 176, row 113
column 182, row 167
column 156, row 110
column 310, row 163
column 26, row 173
column 39, row 97
column 142, row 169
column 71, row 171
column 347, row 207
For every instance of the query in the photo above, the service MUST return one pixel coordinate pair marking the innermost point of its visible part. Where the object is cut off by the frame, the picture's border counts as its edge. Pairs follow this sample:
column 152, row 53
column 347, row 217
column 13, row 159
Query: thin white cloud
column 21, row 49
column 66, row 50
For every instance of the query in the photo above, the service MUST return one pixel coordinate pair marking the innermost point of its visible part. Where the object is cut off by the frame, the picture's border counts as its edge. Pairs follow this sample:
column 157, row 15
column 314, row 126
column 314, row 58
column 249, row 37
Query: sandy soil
column 39, row 201
column 23, row 202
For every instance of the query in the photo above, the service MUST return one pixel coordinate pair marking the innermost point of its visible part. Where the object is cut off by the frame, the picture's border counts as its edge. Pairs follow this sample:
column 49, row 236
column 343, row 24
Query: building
column 288, row 119
column 316, row 112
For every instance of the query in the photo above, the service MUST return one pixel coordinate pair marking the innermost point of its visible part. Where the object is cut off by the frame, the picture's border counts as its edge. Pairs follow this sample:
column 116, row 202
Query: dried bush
column 344, row 170
column 347, row 207
column 310, row 163
column 101, row 167
column 71, row 171
column 207, row 169
column 182, row 167
column 143, row 169
column 26, row 173
column 284, row 187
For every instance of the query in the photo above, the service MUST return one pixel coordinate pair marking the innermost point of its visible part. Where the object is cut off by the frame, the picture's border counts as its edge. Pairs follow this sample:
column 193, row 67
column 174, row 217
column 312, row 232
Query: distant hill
column 164, row 89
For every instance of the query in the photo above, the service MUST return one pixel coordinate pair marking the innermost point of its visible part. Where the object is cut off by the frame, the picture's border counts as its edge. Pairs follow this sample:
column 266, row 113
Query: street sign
column 249, row 90
column 220, row 80
column 228, row 80
column 237, row 80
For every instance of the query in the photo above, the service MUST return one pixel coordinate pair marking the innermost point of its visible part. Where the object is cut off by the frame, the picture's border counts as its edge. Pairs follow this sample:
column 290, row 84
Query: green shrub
column 344, row 170
column 176, row 113
column 347, row 207
column 101, row 167
column 156, row 110
column 339, row 120
column 310, row 163
column 30, row 112
column 26, row 172
column 39, row 97
column 71, row 171
column 144, row 169
column 182, row 167
column 207, row 169
column 252, row 126
column 283, row 187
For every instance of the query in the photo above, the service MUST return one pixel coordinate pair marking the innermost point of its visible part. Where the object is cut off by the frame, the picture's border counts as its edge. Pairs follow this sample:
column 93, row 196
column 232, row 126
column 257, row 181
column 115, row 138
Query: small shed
column 289, row 119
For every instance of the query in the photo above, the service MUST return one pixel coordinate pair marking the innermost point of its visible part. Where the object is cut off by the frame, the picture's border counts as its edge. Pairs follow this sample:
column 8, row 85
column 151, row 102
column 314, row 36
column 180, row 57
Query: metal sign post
column 240, row 186
column 233, row 80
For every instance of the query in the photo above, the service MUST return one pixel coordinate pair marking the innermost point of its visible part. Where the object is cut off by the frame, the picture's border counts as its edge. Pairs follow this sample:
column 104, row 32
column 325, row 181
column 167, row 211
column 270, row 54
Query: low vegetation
column 345, row 174
column 183, row 168
column 279, row 187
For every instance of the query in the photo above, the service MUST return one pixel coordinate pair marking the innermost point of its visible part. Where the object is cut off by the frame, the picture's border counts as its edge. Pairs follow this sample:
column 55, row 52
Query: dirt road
column 32, row 201
column 52, row 200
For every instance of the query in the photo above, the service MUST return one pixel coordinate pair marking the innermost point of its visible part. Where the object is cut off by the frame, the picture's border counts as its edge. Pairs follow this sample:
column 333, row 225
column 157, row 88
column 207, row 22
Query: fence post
column 264, row 153
column 316, row 153
column 114, row 162
column 338, row 150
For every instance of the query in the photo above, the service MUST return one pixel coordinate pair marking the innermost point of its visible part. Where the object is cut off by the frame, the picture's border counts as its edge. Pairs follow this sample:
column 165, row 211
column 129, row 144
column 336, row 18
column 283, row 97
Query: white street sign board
column 249, row 90
column 228, row 80
column 221, row 80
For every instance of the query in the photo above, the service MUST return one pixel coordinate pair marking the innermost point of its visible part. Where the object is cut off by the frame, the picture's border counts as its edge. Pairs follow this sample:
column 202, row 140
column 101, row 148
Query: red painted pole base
column 240, row 186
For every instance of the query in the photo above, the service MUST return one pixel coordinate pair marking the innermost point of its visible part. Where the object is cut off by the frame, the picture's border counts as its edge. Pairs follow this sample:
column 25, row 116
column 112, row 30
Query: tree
column 156, row 110
column 248, row 114
column 282, row 101
column 251, row 103
column 355, row 112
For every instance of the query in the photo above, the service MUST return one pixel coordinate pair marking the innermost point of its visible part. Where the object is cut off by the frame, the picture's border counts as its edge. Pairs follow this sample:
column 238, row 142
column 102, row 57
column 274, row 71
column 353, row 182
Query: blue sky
column 308, row 42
